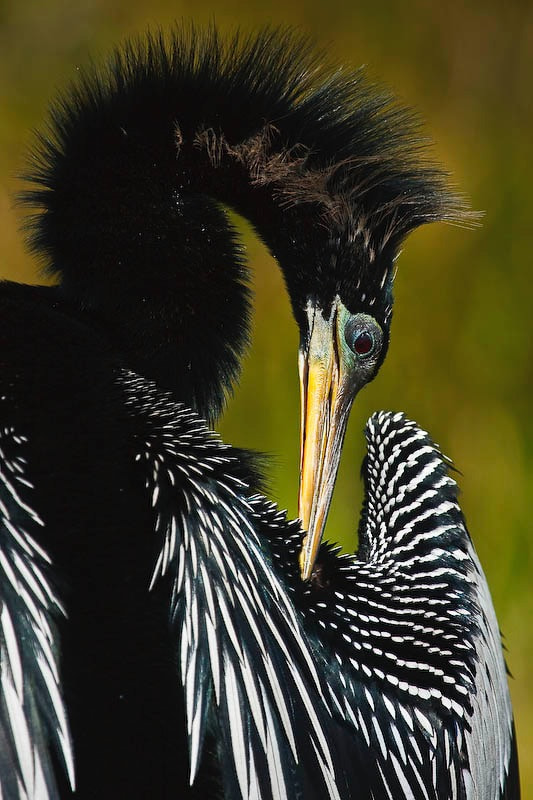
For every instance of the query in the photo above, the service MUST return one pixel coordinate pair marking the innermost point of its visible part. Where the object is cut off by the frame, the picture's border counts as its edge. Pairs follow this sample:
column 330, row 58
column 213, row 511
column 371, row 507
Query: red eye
column 363, row 343
column 364, row 337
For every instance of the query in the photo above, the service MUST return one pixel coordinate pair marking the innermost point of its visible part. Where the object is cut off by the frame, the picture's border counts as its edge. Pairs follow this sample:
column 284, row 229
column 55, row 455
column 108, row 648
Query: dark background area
column 460, row 361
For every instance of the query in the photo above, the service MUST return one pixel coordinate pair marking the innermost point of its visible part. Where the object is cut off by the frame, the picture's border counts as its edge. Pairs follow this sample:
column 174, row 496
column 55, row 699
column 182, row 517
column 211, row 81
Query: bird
column 164, row 630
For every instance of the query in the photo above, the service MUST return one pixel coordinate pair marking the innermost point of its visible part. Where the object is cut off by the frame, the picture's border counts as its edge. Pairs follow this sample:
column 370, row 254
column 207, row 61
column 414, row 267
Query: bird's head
column 344, row 320
column 340, row 196
column 340, row 352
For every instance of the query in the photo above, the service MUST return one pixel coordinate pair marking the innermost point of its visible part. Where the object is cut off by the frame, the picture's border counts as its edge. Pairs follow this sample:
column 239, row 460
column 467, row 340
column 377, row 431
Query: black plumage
column 119, row 510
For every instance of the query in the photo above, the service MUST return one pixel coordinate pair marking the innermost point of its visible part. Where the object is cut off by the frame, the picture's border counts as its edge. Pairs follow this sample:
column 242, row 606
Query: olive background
column 460, row 360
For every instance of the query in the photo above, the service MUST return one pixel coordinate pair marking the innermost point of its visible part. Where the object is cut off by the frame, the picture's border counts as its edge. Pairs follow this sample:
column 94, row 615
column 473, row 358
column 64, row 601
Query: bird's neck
column 147, row 248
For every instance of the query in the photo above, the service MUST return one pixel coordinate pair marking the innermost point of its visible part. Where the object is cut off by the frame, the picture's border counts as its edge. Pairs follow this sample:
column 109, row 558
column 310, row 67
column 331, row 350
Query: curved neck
column 132, row 223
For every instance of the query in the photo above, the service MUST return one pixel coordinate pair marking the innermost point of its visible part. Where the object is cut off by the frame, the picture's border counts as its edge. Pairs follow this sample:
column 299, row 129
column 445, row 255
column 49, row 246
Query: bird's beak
column 326, row 393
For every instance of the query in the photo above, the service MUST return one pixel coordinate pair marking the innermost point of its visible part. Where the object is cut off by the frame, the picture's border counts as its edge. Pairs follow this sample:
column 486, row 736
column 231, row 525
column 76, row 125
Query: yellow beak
column 326, row 399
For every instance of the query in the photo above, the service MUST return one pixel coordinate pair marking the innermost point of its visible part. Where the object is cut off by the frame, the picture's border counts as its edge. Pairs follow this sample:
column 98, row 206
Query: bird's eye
column 363, row 343
column 363, row 336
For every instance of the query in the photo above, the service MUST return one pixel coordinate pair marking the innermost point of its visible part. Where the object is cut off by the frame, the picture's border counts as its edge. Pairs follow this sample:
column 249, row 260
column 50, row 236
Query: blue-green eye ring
column 360, row 338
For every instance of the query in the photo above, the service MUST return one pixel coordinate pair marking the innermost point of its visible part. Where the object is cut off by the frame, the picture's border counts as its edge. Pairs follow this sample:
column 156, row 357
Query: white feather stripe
column 51, row 598
column 399, row 742
column 385, row 784
column 205, row 543
column 195, row 729
column 236, row 727
column 277, row 779
column 4, row 512
column 280, row 703
column 244, row 549
column 407, row 791
column 421, row 783
column 208, row 593
column 220, row 564
column 453, row 782
column 255, row 789
column 183, row 650
column 194, row 617
column 228, row 622
column 406, row 714
column 315, row 723
column 30, row 606
column 405, row 530
column 302, row 649
column 20, row 732
column 426, row 724
column 255, row 704
column 156, row 571
column 333, row 792
column 248, row 673
column 57, row 702
column 192, row 698
column 22, row 539
column 46, row 645
column 213, row 656
column 11, row 656
column 18, row 500
column 188, row 619
column 29, row 578
column 8, row 570
column 194, row 557
column 166, row 553
column 172, row 543
column 426, row 471
column 414, row 541
column 350, row 715
column 363, row 727
column 245, row 607
column 184, row 526
column 380, row 737
column 40, row 787
column 181, row 568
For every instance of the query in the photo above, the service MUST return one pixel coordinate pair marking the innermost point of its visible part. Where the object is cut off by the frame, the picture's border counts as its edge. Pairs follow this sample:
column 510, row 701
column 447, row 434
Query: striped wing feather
column 416, row 644
column 33, row 721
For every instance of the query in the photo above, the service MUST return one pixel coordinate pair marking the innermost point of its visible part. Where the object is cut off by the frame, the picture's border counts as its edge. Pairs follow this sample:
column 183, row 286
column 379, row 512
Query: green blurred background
column 460, row 360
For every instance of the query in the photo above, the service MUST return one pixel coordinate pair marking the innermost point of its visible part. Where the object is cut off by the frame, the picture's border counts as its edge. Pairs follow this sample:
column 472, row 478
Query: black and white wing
column 243, row 658
column 33, row 725
column 420, row 671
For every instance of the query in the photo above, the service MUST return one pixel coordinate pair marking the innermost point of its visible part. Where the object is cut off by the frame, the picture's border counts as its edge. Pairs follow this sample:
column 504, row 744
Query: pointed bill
column 326, row 398
column 340, row 352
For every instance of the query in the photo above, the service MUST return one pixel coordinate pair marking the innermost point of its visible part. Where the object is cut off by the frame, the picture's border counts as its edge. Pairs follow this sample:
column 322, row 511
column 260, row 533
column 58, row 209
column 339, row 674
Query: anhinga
column 133, row 549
